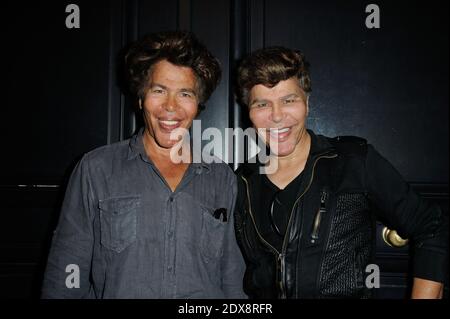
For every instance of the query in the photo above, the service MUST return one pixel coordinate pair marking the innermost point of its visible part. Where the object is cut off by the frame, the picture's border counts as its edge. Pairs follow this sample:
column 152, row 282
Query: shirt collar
column 136, row 145
column 136, row 149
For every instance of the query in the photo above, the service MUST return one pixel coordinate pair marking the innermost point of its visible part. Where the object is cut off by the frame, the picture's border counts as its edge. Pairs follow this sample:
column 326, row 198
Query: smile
column 279, row 132
column 169, row 125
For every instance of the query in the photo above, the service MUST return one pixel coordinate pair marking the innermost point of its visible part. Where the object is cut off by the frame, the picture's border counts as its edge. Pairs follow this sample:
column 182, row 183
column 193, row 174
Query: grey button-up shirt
column 130, row 236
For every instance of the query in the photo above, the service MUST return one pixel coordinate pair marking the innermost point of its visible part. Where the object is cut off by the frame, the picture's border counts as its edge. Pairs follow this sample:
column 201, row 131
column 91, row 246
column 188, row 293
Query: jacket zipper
column 277, row 253
column 281, row 256
column 318, row 218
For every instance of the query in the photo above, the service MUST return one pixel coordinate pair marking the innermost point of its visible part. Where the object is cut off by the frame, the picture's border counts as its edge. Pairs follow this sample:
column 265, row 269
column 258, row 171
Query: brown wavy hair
column 269, row 66
column 181, row 48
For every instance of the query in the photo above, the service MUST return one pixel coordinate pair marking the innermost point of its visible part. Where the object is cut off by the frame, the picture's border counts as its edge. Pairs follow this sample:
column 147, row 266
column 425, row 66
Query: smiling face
column 281, row 111
column 170, row 103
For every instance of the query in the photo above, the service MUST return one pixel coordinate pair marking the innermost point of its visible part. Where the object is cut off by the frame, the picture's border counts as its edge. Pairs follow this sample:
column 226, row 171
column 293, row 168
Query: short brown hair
column 181, row 48
column 269, row 66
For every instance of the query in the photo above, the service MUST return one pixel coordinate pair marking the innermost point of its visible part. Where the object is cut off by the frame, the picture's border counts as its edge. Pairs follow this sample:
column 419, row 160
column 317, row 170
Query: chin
column 165, row 142
column 283, row 154
column 284, row 149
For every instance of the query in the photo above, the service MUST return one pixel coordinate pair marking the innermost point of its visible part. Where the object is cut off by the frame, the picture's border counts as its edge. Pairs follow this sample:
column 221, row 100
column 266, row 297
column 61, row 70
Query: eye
column 260, row 104
column 289, row 101
column 157, row 91
column 187, row 95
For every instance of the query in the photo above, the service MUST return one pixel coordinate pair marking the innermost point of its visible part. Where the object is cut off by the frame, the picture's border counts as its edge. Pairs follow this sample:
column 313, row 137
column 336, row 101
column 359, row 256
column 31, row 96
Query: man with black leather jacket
column 307, row 229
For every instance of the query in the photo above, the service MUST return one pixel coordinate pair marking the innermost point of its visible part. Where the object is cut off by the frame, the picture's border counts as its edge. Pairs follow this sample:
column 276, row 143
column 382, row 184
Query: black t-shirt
column 276, row 207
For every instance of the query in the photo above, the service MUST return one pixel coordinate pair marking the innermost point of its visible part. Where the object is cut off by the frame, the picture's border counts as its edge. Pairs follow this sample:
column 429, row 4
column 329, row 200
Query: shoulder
column 349, row 145
column 249, row 169
column 107, row 154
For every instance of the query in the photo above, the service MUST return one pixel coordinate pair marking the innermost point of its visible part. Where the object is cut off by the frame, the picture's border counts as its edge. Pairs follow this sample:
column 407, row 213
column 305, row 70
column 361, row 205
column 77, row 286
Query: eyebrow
column 189, row 90
column 289, row 96
column 158, row 85
column 166, row 88
column 258, row 101
column 286, row 97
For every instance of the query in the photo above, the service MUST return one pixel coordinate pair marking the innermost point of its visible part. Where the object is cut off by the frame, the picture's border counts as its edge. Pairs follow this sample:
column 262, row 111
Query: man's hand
column 426, row 289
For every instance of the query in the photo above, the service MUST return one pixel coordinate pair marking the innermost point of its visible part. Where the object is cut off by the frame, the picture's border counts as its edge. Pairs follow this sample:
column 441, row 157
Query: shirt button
column 171, row 199
column 169, row 268
column 170, row 233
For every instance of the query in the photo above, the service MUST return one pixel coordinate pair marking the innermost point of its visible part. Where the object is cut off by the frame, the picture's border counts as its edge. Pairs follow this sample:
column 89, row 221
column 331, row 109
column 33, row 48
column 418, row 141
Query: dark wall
column 389, row 85
column 59, row 101
column 62, row 95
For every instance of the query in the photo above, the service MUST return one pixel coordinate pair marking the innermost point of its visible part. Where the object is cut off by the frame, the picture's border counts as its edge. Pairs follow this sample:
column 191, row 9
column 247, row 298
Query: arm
column 412, row 217
column 232, row 264
column 72, row 240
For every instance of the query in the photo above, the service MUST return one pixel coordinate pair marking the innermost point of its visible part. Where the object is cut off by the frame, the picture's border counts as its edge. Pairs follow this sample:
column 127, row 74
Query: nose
column 277, row 113
column 170, row 103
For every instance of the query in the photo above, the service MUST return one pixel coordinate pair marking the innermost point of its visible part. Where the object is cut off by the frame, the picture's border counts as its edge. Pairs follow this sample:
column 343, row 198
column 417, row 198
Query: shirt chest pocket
column 118, row 222
column 212, row 235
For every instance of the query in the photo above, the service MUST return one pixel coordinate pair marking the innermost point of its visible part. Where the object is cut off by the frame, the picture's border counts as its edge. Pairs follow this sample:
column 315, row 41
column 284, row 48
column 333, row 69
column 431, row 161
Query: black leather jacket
column 330, row 237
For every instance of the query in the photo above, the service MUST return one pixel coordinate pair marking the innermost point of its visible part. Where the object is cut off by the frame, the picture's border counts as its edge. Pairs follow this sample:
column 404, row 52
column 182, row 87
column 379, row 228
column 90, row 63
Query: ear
column 140, row 104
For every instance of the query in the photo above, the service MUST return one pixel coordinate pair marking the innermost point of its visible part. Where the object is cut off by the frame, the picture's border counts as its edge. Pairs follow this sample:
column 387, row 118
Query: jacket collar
column 320, row 145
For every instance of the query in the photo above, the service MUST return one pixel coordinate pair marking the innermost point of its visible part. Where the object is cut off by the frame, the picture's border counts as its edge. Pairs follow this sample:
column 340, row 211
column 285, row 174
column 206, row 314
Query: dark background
column 61, row 96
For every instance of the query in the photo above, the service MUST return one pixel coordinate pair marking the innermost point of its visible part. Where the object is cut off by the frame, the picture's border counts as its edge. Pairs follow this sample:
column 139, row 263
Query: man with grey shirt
column 135, row 223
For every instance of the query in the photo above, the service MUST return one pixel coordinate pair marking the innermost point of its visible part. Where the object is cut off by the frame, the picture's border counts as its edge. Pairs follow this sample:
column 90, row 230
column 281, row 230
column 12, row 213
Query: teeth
column 279, row 131
column 170, row 122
